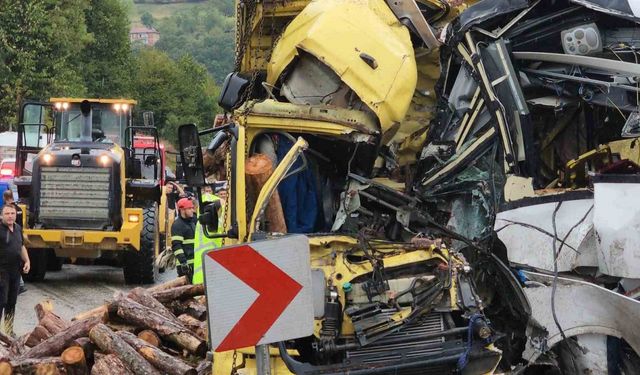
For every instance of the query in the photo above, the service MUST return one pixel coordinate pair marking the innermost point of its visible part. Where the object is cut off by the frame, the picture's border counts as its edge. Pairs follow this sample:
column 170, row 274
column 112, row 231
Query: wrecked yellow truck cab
column 383, row 302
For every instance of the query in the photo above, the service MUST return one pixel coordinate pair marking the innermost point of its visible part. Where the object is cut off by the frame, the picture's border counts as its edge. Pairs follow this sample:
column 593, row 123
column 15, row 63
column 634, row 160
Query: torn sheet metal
column 527, row 232
column 485, row 10
column 617, row 224
column 582, row 308
column 629, row 9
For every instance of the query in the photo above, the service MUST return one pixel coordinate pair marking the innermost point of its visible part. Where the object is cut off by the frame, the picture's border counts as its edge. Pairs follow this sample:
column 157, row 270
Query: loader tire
column 54, row 263
column 38, row 260
column 139, row 266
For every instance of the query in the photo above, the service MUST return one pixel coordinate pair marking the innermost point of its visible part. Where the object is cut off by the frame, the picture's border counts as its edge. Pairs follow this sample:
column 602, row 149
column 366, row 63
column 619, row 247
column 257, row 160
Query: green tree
column 107, row 59
column 40, row 41
column 177, row 92
column 147, row 19
column 206, row 33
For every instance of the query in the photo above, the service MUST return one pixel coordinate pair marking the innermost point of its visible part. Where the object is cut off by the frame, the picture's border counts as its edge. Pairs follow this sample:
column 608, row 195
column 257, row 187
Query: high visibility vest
column 203, row 243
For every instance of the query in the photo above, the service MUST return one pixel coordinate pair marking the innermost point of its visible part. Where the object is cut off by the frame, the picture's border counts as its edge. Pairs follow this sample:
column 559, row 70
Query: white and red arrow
column 259, row 293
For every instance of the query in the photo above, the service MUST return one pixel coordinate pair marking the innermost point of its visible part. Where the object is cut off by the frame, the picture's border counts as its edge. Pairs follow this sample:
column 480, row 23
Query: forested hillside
column 77, row 48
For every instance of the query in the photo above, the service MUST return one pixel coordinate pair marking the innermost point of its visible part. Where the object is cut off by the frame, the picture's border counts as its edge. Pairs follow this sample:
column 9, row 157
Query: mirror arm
column 230, row 126
column 229, row 234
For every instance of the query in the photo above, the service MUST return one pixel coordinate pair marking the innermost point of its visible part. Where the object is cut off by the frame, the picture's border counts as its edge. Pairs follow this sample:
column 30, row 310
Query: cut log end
column 74, row 361
column 150, row 337
column 72, row 355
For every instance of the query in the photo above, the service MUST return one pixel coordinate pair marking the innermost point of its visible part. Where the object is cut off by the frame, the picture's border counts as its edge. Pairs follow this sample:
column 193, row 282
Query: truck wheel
column 139, row 266
column 53, row 262
column 38, row 259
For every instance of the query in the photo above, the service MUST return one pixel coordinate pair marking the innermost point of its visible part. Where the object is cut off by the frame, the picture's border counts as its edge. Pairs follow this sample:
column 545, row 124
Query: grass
column 159, row 11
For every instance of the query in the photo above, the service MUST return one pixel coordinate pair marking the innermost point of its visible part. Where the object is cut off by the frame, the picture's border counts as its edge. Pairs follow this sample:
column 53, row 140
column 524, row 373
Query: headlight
column 117, row 107
column 61, row 106
column 104, row 160
column 125, row 107
column 133, row 218
column 47, row 158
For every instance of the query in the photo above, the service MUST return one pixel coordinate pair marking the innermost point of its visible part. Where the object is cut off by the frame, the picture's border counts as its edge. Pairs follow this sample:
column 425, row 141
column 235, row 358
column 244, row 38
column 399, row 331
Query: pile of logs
column 160, row 330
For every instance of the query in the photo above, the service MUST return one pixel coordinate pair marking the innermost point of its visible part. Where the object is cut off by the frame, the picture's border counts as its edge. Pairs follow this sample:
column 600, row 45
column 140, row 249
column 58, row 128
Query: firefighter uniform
column 182, row 240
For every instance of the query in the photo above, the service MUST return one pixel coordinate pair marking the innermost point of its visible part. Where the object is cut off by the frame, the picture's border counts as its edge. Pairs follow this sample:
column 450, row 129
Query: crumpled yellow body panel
column 337, row 32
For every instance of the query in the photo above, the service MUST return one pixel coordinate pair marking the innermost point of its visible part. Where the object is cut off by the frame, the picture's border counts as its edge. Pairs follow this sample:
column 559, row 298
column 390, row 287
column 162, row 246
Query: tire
column 139, row 266
column 38, row 259
column 53, row 262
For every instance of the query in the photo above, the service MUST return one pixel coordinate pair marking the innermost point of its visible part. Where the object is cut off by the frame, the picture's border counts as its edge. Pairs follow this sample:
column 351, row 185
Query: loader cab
column 108, row 121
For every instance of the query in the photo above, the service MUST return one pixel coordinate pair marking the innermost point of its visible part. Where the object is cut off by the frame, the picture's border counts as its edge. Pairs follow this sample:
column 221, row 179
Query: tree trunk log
column 150, row 337
column 18, row 347
column 53, row 323
column 196, row 326
column 88, row 348
column 5, row 353
column 42, row 308
column 109, row 365
column 74, row 361
column 146, row 299
column 172, row 331
column 6, row 339
column 108, row 308
column 196, row 309
column 38, row 366
column 161, row 360
column 109, row 342
column 180, row 281
column 258, row 169
column 179, row 293
column 38, row 335
column 205, row 367
column 55, row 344
column 117, row 326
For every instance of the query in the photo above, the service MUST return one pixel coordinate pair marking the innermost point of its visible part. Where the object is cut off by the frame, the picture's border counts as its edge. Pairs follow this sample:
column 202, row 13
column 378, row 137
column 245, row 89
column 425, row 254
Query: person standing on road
column 13, row 259
column 8, row 199
column 182, row 237
column 7, row 196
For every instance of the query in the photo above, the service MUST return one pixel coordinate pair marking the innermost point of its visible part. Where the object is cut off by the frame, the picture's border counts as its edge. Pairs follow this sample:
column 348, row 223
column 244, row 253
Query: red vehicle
column 7, row 169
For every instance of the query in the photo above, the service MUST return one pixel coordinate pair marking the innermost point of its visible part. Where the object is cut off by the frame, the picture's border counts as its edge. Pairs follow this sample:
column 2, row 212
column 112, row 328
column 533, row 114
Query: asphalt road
column 73, row 290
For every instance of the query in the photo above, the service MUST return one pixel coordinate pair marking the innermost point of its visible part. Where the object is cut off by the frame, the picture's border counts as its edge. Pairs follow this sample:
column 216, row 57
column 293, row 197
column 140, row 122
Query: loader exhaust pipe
column 85, row 109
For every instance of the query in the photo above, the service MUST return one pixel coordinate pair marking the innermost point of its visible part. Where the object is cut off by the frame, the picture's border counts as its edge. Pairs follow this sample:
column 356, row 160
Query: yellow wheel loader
column 90, row 184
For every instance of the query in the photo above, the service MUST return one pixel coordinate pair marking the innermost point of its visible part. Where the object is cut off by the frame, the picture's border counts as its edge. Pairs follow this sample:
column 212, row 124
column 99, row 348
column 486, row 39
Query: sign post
column 263, row 366
column 259, row 293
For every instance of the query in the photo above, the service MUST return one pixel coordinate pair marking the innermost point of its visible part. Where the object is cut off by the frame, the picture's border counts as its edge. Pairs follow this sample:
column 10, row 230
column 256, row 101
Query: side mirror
column 232, row 92
column 191, row 155
column 210, row 215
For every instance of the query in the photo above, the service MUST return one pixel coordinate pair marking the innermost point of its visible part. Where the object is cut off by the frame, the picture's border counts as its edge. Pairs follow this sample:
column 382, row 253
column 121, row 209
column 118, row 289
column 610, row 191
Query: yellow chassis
column 82, row 243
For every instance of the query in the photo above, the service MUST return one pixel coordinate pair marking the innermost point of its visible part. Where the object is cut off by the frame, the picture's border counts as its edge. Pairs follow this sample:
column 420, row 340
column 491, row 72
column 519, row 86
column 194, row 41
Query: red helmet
column 185, row 203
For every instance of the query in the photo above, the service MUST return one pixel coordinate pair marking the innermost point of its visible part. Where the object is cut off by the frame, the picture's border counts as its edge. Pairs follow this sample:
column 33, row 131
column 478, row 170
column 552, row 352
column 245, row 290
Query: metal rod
column 262, row 360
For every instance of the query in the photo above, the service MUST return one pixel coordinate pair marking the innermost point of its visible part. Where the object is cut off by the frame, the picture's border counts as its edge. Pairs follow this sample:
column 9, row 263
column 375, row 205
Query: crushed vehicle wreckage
column 536, row 140
column 437, row 248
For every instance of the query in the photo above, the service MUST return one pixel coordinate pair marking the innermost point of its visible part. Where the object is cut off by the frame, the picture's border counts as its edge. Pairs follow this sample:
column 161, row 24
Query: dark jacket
column 182, row 239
